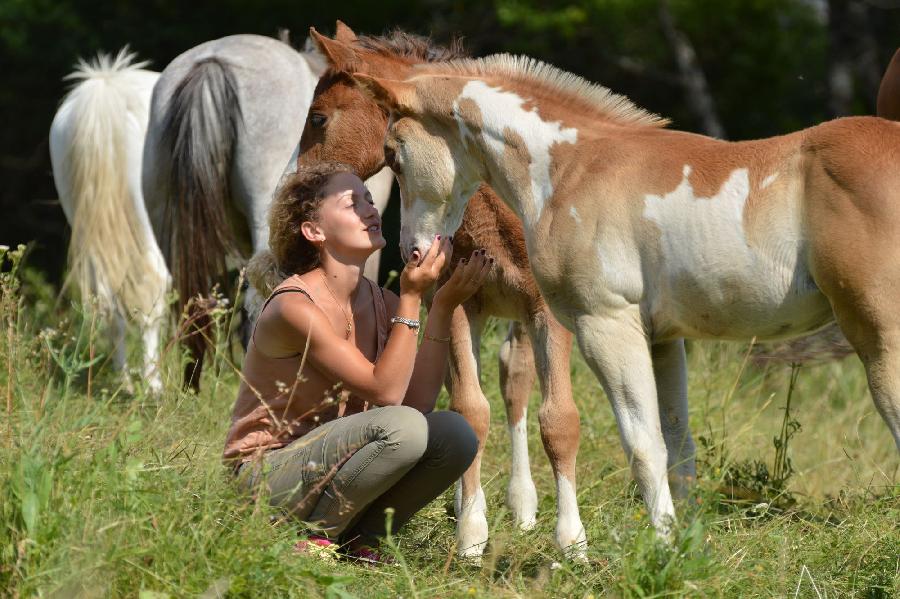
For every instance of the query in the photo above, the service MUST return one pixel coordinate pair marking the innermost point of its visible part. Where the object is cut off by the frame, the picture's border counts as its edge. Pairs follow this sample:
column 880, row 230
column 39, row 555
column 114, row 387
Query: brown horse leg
column 853, row 219
column 670, row 371
column 876, row 338
column 516, row 380
column 467, row 399
column 560, row 426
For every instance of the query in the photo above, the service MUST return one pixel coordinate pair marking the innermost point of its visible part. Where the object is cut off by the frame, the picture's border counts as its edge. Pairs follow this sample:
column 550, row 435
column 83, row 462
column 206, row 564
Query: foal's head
column 343, row 122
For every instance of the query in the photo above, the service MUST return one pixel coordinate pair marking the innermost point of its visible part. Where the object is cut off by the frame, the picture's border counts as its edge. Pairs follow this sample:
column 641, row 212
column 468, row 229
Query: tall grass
column 107, row 490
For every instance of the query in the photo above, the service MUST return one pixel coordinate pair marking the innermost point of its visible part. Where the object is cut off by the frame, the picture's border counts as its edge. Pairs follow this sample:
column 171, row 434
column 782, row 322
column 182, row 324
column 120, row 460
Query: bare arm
column 296, row 324
column 431, row 360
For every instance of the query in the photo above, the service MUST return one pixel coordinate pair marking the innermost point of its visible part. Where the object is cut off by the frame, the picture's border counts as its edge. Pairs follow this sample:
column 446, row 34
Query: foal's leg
column 516, row 379
column 670, row 371
column 876, row 338
column 467, row 399
column 560, row 426
column 616, row 348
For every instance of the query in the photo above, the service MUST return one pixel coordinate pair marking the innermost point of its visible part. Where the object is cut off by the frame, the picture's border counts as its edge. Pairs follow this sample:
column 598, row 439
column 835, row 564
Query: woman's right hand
column 420, row 272
column 466, row 279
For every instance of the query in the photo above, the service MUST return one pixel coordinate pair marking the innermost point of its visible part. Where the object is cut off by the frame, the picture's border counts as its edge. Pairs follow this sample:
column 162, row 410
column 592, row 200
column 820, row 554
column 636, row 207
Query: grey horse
column 225, row 120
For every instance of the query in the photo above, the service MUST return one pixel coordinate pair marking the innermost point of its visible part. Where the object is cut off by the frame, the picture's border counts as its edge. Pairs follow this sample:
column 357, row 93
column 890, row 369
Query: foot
column 367, row 554
column 317, row 546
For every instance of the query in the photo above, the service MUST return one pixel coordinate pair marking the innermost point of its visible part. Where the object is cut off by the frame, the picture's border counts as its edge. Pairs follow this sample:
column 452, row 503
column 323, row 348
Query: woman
column 334, row 414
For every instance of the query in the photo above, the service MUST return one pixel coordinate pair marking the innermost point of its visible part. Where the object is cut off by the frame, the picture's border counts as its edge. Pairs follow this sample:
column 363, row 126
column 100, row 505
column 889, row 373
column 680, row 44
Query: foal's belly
column 736, row 293
column 731, row 308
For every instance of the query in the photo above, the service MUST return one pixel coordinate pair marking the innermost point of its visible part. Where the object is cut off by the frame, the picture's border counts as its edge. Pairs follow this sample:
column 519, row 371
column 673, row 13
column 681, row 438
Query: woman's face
column 348, row 220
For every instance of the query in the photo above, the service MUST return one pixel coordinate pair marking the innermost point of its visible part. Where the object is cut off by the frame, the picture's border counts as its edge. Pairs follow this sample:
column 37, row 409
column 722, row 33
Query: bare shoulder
column 285, row 323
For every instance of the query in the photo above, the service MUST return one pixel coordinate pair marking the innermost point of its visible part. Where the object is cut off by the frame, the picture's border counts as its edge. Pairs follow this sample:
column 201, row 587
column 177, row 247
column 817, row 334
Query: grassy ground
column 108, row 492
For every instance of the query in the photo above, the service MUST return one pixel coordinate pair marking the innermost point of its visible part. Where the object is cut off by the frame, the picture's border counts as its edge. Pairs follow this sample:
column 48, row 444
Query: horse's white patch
column 502, row 111
column 769, row 180
column 569, row 529
column 472, row 526
column 720, row 217
column 574, row 213
column 521, row 493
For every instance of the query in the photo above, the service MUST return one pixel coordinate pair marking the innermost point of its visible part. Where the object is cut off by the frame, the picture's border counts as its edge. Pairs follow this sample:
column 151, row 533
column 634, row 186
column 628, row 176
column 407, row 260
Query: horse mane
column 399, row 43
column 569, row 87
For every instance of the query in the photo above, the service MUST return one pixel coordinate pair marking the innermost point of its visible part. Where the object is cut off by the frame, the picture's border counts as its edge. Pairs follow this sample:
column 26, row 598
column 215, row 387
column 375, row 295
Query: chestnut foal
column 640, row 236
column 345, row 124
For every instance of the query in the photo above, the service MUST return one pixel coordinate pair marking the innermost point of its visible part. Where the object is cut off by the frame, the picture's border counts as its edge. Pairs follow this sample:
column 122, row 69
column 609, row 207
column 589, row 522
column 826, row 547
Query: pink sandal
column 368, row 555
column 317, row 545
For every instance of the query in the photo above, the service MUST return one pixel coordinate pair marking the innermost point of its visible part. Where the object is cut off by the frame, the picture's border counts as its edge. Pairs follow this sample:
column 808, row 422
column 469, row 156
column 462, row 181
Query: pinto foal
column 640, row 236
column 344, row 124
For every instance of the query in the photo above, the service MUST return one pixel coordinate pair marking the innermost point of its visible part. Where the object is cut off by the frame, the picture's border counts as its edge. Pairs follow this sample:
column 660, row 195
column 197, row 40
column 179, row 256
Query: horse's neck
column 516, row 143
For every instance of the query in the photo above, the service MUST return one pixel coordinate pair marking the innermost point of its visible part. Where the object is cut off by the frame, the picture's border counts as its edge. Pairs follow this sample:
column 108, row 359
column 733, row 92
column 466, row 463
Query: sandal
column 367, row 555
column 317, row 546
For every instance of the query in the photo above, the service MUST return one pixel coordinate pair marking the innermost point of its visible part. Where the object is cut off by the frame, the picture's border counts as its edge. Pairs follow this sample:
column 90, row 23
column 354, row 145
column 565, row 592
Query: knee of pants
column 454, row 435
column 405, row 430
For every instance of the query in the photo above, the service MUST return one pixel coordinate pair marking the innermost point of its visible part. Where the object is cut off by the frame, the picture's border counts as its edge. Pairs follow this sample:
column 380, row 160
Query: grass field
column 112, row 492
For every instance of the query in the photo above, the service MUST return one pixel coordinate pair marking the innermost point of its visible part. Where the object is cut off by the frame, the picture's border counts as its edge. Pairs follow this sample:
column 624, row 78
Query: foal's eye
column 317, row 119
column 390, row 159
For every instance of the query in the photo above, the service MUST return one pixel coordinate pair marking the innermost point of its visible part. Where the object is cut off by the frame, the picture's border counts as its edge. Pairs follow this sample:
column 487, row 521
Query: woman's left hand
column 467, row 278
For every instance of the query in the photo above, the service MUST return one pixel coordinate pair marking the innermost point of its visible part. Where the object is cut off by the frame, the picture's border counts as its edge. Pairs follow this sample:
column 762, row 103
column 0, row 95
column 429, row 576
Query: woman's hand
column 466, row 279
column 420, row 272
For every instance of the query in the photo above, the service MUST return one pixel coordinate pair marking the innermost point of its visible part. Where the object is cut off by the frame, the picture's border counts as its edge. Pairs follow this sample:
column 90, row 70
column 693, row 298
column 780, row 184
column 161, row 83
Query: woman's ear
column 312, row 232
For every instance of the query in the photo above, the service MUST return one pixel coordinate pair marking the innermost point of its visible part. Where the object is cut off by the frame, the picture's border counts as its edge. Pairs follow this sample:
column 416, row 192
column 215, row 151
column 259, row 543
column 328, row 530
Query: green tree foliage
column 765, row 61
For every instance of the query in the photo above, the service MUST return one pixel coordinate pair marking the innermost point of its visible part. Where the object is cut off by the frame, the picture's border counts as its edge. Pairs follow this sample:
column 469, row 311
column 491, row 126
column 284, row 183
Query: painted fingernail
column 439, row 237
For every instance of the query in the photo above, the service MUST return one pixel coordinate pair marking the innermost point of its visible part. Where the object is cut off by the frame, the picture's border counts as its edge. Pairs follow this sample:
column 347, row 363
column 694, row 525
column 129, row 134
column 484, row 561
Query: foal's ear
column 340, row 56
column 393, row 95
column 343, row 33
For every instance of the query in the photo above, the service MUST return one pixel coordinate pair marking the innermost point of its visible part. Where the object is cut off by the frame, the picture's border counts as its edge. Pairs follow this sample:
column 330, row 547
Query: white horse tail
column 198, row 136
column 110, row 252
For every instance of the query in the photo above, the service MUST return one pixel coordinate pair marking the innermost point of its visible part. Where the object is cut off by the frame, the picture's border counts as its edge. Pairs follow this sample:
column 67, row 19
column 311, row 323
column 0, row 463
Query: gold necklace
column 344, row 312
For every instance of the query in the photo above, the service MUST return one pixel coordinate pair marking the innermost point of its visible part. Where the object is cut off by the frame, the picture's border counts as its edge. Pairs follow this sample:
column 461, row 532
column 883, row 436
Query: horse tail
column 110, row 251
column 198, row 136
column 888, row 103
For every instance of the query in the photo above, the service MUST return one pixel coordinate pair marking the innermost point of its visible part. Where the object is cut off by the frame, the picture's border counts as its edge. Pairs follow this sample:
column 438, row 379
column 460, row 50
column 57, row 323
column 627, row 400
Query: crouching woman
column 335, row 411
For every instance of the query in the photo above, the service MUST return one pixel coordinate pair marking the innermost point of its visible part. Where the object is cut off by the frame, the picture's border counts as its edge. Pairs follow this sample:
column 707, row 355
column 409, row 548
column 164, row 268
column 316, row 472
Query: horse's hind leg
column 467, row 399
column 153, row 323
column 560, row 426
column 876, row 340
column 853, row 224
column 670, row 372
column 120, row 346
column 516, row 380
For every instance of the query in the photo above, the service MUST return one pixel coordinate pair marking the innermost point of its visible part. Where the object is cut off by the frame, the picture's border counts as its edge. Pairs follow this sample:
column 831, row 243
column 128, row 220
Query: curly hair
column 296, row 201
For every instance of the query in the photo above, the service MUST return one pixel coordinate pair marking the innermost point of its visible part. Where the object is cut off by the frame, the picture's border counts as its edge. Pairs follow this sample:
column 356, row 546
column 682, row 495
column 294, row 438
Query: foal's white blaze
column 521, row 494
column 502, row 107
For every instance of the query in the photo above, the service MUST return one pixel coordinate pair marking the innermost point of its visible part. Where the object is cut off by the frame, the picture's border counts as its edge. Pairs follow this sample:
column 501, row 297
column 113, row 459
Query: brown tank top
column 267, row 414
